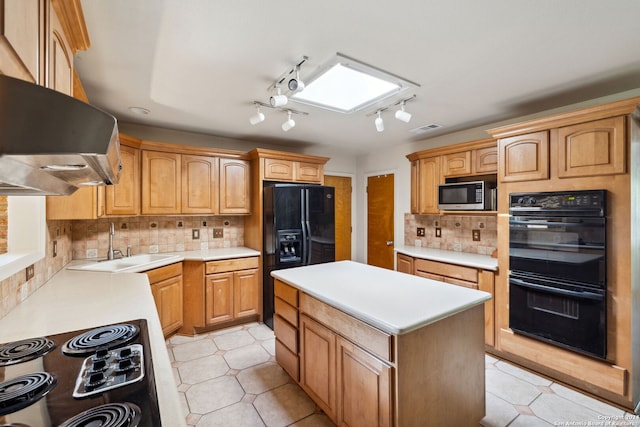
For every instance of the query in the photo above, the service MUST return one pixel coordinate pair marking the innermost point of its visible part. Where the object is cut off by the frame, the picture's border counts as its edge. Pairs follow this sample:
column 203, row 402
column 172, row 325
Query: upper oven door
column 565, row 248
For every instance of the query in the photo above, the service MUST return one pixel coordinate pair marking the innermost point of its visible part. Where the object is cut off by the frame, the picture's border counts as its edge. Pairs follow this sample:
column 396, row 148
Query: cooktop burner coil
column 24, row 350
column 103, row 338
column 22, row 391
column 108, row 415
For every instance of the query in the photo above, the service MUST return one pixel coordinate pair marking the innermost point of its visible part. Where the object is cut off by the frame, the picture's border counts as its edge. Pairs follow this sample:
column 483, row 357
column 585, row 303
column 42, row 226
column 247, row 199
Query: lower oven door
column 569, row 316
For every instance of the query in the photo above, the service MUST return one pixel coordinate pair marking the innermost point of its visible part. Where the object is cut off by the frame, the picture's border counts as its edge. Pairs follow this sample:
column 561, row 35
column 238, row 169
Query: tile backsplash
column 156, row 234
column 16, row 288
column 456, row 232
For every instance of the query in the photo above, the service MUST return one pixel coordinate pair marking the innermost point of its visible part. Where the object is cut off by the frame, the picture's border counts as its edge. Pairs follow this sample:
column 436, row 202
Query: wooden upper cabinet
column 592, row 148
column 278, row 169
column 456, row 164
column 60, row 58
column 161, row 182
column 124, row 197
column 426, row 190
column 21, row 33
column 524, row 157
column 199, row 184
column 309, row 172
column 485, row 160
column 235, row 186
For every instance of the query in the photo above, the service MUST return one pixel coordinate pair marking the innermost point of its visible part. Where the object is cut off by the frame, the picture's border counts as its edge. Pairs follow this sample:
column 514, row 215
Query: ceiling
column 199, row 65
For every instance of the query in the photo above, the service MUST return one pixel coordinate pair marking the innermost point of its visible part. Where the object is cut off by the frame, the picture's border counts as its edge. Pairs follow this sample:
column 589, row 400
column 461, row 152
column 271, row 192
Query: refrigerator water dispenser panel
column 289, row 246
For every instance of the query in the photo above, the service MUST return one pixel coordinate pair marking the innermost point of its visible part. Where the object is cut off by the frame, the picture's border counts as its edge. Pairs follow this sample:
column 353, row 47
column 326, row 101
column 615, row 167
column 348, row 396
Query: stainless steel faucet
column 112, row 231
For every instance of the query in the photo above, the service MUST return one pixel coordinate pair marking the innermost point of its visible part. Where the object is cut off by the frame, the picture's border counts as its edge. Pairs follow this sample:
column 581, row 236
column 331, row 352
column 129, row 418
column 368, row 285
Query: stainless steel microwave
column 467, row 196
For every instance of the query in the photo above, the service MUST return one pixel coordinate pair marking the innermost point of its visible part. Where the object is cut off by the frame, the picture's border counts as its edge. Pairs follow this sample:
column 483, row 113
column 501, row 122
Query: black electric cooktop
column 97, row 377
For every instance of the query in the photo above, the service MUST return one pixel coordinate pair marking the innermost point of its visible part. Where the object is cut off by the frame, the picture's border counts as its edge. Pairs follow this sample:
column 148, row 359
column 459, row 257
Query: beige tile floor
column 230, row 378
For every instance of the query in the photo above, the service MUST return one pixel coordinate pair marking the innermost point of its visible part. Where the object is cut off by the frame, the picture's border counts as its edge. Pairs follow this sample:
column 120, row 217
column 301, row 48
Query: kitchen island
column 375, row 347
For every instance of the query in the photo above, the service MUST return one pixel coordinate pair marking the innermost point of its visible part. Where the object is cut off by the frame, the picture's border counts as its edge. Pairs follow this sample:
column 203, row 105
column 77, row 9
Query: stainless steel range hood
column 51, row 143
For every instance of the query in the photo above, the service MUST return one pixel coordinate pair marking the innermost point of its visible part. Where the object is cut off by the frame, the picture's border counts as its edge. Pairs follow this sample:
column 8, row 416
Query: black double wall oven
column 557, row 262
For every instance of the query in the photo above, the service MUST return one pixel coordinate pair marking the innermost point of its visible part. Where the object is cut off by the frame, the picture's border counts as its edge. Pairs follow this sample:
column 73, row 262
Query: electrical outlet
column 438, row 232
column 420, row 231
column 475, row 234
column 195, row 234
column 55, row 248
column 218, row 233
column 204, row 224
column 30, row 272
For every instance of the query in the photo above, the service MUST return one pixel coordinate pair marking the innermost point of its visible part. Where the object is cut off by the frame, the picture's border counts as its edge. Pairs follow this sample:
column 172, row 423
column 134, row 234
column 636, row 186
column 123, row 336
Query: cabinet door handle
column 389, row 242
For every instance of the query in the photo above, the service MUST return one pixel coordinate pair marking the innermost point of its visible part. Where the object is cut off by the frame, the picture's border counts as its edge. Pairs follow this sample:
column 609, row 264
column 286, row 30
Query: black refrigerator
column 299, row 229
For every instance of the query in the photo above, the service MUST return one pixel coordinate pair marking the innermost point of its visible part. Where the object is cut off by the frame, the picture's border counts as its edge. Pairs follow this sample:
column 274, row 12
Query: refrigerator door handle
column 303, row 226
column 307, row 226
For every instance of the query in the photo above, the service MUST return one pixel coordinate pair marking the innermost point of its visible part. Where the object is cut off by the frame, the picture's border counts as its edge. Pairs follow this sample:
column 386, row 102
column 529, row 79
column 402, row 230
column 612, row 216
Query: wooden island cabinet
column 368, row 363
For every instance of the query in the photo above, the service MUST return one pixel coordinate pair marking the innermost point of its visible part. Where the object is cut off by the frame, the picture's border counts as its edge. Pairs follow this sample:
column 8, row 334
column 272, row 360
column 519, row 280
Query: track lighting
column 403, row 115
column 296, row 85
column 278, row 100
column 379, row 123
column 258, row 117
column 289, row 124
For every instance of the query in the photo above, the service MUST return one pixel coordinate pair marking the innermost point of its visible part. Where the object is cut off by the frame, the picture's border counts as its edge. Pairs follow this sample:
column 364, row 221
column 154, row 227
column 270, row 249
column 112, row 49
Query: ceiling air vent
column 425, row 128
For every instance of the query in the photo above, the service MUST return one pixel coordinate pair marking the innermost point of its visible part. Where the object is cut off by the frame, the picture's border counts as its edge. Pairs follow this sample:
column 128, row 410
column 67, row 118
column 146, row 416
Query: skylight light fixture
column 346, row 85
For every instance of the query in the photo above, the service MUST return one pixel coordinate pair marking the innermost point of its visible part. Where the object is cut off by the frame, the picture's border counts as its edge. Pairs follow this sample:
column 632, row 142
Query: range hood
column 51, row 143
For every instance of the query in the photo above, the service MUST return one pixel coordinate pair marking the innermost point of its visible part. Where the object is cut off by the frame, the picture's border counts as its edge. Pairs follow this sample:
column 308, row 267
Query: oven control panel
column 577, row 201
column 109, row 369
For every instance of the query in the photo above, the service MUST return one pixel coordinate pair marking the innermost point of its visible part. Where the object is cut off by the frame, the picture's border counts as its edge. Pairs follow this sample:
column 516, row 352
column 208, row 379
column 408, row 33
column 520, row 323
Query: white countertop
column 484, row 262
column 218, row 253
column 74, row 300
column 394, row 302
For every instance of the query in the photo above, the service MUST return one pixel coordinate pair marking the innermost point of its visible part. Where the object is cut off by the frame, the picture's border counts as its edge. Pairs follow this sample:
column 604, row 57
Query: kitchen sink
column 132, row 264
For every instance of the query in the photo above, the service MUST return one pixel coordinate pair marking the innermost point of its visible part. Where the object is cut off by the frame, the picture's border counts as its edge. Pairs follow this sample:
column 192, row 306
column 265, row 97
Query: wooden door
column 199, row 184
column 60, row 58
column 428, row 178
column 245, row 293
column 380, row 208
column 343, row 231
column 21, row 34
column 456, row 164
column 364, row 388
column 219, row 298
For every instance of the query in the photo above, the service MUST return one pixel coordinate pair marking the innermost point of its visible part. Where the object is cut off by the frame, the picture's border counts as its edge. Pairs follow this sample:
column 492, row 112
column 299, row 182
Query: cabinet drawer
column 287, row 334
column 235, row 264
column 287, row 312
column 469, row 274
column 163, row 273
column 288, row 360
column 355, row 330
column 466, row 284
column 285, row 292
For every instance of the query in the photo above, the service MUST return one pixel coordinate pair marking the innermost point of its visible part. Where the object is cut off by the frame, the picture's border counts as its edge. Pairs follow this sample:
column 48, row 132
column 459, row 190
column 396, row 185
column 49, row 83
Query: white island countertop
column 484, row 262
column 394, row 302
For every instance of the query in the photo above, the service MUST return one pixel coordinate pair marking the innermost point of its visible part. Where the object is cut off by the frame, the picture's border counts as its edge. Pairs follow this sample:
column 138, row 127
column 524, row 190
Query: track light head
column 278, row 100
column 258, row 117
column 379, row 123
column 403, row 115
column 289, row 124
column 296, row 85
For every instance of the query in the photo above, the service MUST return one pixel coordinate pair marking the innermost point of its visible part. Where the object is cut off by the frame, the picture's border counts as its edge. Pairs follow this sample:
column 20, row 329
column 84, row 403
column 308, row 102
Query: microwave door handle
column 564, row 292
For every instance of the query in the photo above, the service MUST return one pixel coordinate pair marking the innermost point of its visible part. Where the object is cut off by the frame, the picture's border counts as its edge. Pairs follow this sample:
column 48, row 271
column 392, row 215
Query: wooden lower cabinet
column 166, row 287
column 363, row 389
column 318, row 365
column 220, row 293
column 469, row 277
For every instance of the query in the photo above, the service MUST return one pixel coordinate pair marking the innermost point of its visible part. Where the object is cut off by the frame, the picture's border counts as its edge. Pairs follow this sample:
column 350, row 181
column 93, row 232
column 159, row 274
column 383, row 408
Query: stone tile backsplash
column 16, row 288
column 155, row 234
column 456, row 232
